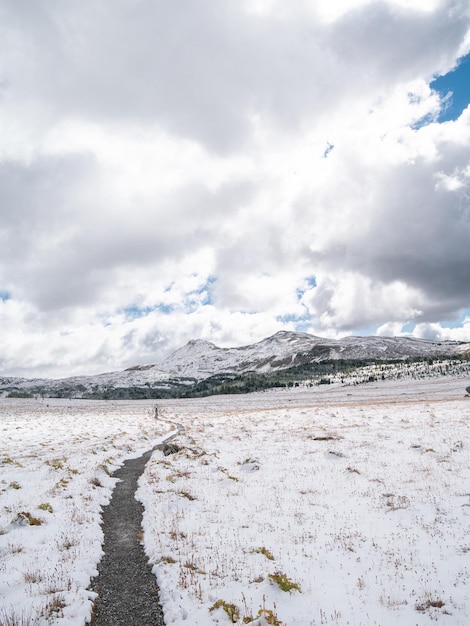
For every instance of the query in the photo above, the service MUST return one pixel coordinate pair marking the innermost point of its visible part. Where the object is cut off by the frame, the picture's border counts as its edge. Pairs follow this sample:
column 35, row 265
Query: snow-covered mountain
column 199, row 360
column 286, row 349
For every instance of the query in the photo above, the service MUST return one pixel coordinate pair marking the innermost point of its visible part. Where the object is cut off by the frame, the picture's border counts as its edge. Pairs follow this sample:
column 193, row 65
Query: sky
column 224, row 170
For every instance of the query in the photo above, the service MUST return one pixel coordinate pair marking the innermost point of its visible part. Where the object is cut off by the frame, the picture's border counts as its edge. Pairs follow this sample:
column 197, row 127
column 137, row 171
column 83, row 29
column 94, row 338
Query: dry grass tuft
column 15, row 617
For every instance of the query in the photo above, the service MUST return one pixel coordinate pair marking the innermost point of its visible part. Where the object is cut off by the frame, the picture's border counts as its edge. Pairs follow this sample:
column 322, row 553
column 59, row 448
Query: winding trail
column 127, row 590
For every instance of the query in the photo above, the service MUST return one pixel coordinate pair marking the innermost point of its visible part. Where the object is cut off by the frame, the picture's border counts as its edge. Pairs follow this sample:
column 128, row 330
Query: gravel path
column 127, row 590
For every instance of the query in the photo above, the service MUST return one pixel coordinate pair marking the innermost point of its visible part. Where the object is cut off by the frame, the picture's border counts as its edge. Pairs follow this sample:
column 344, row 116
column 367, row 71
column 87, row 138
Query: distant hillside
column 286, row 358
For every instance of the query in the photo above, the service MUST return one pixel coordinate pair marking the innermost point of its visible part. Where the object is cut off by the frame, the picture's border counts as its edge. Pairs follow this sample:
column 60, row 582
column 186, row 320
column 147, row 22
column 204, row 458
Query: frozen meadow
column 56, row 458
column 332, row 505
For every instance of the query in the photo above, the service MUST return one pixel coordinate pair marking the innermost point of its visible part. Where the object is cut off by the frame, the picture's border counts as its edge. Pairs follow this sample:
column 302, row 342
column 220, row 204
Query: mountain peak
column 290, row 335
column 200, row 343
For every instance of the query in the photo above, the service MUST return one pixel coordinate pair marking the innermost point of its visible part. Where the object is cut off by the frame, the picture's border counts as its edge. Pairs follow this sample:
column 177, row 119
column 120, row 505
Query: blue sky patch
column 135, row 312
column 455, row 86
column 301, row 322
column 309, row 283
column 204, row 291
column 423, row 121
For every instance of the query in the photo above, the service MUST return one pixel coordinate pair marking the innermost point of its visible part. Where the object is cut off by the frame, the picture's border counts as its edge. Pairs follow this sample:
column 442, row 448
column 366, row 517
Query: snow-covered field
column 354, row 500
column 55, row 461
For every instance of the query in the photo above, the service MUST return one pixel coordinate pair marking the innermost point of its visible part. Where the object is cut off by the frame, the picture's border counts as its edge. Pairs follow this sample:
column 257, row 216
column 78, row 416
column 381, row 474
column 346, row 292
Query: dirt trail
column 127, row 590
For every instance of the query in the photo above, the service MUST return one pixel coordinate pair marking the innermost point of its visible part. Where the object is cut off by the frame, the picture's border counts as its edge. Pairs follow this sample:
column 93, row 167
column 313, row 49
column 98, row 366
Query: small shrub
column 54, row 607
column 15, row 548
column 178, row 474
column 15, row 485
column 56, row 463
column 284, row 582
column 45, row 506
column 167, row 559
column 175, row 535
column 32, row 577
column 96, row 482
column 9, row 461
column 429, row 602
column 104, row 467
column 232, row 610
column 265, row 552
column 54, row 584
column 63, row 482
column 270, row 617
column 32, row 521
column 193, row 567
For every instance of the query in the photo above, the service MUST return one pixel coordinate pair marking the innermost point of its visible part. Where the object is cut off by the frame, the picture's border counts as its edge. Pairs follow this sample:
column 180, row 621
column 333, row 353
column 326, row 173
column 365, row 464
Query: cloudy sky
column 223, row 170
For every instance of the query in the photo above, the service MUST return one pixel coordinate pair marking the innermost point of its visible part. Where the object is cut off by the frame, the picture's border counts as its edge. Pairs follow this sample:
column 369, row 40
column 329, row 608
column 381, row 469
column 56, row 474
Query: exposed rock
column 251, row 465
column 170, row 448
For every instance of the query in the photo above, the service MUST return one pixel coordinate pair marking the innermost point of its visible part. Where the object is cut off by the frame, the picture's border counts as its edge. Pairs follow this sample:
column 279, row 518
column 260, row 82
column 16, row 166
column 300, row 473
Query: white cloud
column 443, row 333
column 173, row 171
column 349, row 301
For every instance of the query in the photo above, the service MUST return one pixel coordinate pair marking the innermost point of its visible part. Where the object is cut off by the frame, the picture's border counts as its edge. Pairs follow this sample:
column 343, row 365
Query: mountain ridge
column 287, row 348
column 199, row 360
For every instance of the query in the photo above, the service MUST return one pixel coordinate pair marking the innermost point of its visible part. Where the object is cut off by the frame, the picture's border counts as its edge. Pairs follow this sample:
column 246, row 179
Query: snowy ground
column 362, row 500
column 55, row 461
column 357, row 498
